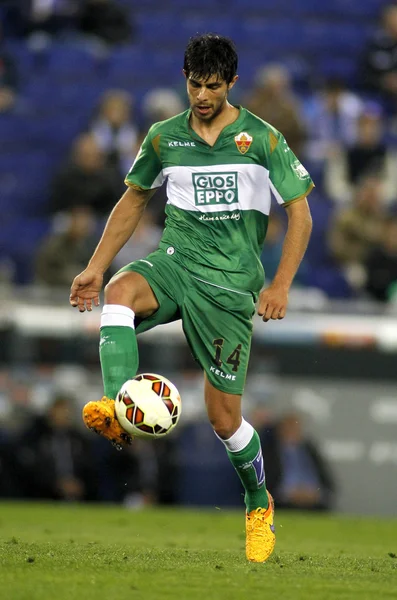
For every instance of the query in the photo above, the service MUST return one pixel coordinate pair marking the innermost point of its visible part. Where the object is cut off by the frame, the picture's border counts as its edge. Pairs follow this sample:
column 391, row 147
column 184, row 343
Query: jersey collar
column 228, row 129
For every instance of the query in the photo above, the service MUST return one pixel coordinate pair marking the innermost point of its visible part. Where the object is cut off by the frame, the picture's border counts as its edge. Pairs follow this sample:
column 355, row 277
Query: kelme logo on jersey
column 243, row 142
column 215, row 188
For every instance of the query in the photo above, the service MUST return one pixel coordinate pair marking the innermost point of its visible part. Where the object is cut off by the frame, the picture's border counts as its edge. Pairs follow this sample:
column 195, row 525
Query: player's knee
column 117, row 291
column 112, row 292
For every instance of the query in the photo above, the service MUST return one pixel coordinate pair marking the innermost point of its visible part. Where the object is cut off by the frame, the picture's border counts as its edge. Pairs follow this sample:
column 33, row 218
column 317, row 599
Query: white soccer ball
column 148, row 405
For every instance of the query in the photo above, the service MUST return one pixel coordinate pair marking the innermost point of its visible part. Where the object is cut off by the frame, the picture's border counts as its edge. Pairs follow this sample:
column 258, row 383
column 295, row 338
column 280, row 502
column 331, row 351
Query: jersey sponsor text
column 215, row 188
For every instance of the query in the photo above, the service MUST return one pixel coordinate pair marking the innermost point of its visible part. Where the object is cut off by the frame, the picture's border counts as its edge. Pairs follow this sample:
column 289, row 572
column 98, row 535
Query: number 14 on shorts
column 233, row 358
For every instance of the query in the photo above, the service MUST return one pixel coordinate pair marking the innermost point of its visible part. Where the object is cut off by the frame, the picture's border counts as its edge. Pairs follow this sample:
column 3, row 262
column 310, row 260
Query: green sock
column 248, row 463
column 118, row 351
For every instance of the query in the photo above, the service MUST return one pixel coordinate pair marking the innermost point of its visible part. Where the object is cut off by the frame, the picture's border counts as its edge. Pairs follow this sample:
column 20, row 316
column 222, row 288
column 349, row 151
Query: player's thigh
column 218, row 328
column 132, row 289
column 223, row 409
column 159, row 303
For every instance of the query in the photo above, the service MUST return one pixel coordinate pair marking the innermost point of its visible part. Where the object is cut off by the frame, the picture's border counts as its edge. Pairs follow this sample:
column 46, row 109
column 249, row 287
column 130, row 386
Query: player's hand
column 85, row 290
column 273, row 303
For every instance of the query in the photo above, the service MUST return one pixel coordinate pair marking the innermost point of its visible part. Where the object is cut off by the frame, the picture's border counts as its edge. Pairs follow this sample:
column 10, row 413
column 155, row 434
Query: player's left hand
column 273, row 303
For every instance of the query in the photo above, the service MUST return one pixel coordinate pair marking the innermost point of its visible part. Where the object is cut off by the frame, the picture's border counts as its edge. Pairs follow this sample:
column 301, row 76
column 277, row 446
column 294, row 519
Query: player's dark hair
column 210, row 54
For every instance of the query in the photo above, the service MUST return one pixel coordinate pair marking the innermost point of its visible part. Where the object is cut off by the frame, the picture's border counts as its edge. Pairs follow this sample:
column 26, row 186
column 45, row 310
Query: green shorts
column 217, row 323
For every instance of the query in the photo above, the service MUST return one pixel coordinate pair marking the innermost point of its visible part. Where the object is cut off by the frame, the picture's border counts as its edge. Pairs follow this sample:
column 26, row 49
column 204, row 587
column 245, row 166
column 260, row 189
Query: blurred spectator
column 44, row 19
column 160, row 104
column 144, row 240
column 113, row 128
column 67, row 252
column 54, row 458
column 86, row 180
column 345, row 166
column 381, row 264
column 273, row 100
column 296, row 473
column 8, row 78
column 380, row 62
column 356, row 230
column 106, row 21
column 332, row 119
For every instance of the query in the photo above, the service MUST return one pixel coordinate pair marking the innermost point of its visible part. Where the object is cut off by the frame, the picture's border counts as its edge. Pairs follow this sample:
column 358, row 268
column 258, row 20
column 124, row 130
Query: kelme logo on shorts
column 215, row 188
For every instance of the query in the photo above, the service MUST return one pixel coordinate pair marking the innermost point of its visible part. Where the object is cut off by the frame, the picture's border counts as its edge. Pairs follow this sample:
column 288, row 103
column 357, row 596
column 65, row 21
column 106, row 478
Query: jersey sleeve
column 146, row 172
column 289, row 180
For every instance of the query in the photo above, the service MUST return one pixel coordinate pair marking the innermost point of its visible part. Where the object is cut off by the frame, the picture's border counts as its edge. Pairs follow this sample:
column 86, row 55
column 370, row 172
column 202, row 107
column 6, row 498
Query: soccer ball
column 148, row 406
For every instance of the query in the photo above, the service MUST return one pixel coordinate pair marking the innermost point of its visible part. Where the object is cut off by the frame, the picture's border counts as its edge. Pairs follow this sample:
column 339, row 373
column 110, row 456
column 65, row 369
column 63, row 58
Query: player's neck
column 210, row 130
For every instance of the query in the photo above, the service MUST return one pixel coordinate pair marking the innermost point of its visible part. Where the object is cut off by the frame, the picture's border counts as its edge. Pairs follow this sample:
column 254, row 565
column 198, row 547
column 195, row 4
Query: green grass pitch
column 72, row 552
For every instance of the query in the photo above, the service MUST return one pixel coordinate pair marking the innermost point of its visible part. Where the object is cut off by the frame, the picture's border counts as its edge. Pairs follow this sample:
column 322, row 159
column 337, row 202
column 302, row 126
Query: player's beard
column 212, row 114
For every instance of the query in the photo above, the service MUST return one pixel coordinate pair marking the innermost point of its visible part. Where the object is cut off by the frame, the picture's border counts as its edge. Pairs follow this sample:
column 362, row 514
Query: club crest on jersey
column 243, row 142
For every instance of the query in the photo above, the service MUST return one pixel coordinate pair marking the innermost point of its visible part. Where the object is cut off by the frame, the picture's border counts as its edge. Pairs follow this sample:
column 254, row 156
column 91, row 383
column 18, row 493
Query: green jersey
column 219, row 196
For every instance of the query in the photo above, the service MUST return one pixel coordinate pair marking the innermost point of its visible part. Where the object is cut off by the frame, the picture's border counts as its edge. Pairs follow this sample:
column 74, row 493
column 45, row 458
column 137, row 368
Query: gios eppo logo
column 215, row 188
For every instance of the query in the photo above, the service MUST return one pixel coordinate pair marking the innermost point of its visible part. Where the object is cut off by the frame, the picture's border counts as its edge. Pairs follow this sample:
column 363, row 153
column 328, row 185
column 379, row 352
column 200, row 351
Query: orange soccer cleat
column 100, row 417
column 260, row 536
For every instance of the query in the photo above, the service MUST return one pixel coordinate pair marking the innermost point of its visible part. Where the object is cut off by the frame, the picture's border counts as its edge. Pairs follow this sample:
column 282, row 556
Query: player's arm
column 273, row 300
column 120, row 226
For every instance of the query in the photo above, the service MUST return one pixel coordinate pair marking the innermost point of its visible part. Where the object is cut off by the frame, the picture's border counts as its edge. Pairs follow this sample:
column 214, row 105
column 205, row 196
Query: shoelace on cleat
column 259, row 515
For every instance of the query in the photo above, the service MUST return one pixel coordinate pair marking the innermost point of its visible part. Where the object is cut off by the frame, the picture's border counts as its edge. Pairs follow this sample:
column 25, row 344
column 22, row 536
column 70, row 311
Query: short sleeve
column 146, row 172
column 289, row 179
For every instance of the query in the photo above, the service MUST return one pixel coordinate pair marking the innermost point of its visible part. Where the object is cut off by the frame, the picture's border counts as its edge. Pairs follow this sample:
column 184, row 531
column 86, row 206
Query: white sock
column 240, row 438
column 117, row 315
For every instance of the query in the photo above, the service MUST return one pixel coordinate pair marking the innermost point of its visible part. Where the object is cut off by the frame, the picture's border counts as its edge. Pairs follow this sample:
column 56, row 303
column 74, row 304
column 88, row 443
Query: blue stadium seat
column 24, row 179
column 346, row 9
column 20, row 240
column 70, row 60
column 322, row 36
column 158, row 29
column 167, row 66
column 250, row 62
column 41, row 92
column 359, row 8
column 47, row 95
column 258, row 33
column 213, row 5
column 269, row 7
column 129, row 64
column 201, row 23
column 341, row 67
column 24, row 58
column 14, row 132
column 136, row 67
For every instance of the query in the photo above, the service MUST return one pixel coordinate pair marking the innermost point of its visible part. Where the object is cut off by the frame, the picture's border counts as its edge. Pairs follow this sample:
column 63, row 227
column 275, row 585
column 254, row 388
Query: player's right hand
column 85, row 289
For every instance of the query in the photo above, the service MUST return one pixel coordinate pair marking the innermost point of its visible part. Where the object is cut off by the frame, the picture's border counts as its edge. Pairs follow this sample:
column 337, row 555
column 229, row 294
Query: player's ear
column 233, row 81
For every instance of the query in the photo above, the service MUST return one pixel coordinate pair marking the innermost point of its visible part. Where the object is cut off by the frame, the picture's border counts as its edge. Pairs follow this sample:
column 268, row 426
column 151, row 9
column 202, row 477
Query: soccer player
column 221, row 164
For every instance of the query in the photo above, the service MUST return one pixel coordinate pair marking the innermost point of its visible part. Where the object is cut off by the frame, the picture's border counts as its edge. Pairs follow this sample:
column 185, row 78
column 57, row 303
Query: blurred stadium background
column 80, row 83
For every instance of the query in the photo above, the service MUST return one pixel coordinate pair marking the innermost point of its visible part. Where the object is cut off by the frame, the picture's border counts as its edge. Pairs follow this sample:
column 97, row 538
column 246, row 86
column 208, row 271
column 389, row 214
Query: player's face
column 208, row 97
